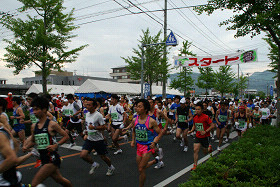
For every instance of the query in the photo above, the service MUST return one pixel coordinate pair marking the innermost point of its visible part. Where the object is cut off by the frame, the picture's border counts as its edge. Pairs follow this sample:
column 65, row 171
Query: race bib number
column 264, row 113
column 92, row 132
column 181, row 118
column 141, row 135
column 42, row 140
column 199, row 126
column 114, row 116
column 222, row 118
column 242, row 123
column 15, row 121
column 256, row 115
column 68, row 112
column 33, row 119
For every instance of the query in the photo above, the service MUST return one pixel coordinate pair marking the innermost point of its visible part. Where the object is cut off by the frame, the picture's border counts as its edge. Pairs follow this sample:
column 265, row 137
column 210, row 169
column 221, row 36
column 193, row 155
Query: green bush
column 254, row 160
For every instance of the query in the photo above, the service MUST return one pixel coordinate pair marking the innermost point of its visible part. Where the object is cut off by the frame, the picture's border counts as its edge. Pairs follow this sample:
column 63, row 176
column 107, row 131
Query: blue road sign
column 171, row 40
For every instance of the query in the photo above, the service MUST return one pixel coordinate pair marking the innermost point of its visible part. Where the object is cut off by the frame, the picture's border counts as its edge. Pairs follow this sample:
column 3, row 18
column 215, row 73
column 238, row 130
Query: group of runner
column 146, row 120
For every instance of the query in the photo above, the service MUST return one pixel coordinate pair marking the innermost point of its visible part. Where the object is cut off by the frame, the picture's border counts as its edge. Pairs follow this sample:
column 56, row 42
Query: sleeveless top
column 144, row 135
column 42, row 136
column 242, row 122
column 222, row 117
column 16, row 121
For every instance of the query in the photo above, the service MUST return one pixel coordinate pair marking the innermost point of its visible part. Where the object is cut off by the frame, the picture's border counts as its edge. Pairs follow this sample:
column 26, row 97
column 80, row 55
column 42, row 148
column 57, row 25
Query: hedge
column 254, row 160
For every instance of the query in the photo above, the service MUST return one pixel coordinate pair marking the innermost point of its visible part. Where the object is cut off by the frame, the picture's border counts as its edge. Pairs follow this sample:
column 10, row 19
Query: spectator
column 9, row 102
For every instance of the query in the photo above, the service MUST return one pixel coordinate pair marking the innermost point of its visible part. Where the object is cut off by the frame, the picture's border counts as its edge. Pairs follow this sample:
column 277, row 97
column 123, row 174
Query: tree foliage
column 184, row 81
column 242, row 84
column 206, row 80
column 224, row 80
column 40, row 40
column 154, row 66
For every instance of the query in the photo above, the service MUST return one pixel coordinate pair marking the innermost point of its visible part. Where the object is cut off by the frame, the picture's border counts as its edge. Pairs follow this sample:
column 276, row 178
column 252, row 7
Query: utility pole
column 164, row 77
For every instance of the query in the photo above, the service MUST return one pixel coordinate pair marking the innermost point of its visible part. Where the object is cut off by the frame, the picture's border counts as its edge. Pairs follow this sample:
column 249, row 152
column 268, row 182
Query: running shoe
column 174, row 138
column 160, row 153
column 194, row 168
column 38, row 164
column 35, row 153
column 119, row 151
column 159, row 165
column 71, row 145
column 218, row 148
column 110, row 170
column 185, row 149
column 93, row 168
column 226, row 140
column 182, row 143
column 125, row 138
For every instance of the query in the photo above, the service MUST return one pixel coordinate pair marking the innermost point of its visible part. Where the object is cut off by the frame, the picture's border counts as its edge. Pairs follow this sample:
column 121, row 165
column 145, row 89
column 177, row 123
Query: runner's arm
column 8, row 153
column 29, row 142
column 190, row 115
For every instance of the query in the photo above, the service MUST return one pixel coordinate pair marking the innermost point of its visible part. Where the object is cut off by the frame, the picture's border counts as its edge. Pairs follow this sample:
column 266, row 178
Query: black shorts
column 183, row 126
column 98, row 146
column 50, row 157
column 170, row 116
column 203, row 141
column 76, row 126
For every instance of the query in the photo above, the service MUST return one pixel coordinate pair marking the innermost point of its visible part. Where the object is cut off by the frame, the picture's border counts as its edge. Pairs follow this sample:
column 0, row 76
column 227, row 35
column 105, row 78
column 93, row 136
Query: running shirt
column 16, row 121
column 242, row 122
column 4, row 113
column 116, row 113
column 42, row 136
column 265, row 113
column 222, row 117
column 161, row 120
column 182, row 114
column 32, row 116
column 144, row 135
column 95, row 119
column 202, row 123
column 67, row 110
column 174, row 106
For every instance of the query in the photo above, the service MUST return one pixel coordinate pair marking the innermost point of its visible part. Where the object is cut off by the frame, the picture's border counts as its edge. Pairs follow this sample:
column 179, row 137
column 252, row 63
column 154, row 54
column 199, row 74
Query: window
column 73, row 83
column 62, row 83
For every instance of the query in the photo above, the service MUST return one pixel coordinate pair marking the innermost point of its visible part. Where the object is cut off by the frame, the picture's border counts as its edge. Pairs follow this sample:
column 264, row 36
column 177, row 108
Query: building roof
column 96, row 86
column 52, row 89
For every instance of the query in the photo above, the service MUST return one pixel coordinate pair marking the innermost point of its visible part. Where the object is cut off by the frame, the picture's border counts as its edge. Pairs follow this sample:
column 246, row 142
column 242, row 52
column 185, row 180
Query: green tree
column 252, row 17
column 224, row 80
column 40, row 40
column 206, row 80
column 154, row 67
column 184, row 81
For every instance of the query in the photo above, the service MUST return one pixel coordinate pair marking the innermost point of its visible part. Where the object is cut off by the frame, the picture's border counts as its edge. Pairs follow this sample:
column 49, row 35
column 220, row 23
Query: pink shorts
column 143, row 149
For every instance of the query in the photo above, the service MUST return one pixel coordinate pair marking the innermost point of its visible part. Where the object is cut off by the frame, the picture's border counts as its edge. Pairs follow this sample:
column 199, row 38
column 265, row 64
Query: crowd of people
column 56, row 119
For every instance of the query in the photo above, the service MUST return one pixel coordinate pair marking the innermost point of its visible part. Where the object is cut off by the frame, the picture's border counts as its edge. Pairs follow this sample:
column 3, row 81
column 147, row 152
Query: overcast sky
column 112, row 31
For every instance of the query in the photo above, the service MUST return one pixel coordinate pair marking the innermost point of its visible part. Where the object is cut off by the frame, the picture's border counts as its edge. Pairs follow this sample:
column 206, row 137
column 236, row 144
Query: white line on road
column 187, row 169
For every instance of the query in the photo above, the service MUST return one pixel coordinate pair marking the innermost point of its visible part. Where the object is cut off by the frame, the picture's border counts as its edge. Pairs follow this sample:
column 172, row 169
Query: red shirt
column 202, row 123
column 10, row 103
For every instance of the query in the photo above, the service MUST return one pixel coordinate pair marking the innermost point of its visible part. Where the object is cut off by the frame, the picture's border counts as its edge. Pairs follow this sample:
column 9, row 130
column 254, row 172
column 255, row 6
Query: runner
column 118, row 116
column 203, row 125
column 257, row 114
column 230, row 120
column 222, row 117
column 41, row 135
column 95, row 140
column 75, row 122
column 183, row 117
column 144, row 135
column 241, row 121
column 265, row 114
column 18, row 118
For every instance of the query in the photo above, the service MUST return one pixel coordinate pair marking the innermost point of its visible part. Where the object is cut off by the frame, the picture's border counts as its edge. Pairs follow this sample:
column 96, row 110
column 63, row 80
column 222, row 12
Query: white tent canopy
column 97, row 86
column 53, row 89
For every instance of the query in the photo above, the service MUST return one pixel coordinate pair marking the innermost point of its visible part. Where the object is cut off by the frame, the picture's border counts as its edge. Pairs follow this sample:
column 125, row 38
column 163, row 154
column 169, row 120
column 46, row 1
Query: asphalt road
column 176, row 169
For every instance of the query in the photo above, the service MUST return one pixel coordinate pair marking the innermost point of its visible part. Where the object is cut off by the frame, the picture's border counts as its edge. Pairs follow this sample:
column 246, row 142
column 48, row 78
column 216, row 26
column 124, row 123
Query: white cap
column 183, row 100
column 195, row 102
column 10, row 93
column 230, row 103
column 65, row 100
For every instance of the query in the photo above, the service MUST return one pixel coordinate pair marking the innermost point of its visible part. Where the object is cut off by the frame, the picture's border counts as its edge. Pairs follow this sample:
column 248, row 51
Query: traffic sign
column 171, row 40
